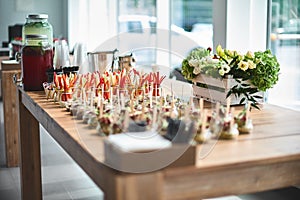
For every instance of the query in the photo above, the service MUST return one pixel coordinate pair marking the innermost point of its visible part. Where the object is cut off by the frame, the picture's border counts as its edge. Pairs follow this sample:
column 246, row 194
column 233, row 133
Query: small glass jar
column 36, row 60
column 37, row 24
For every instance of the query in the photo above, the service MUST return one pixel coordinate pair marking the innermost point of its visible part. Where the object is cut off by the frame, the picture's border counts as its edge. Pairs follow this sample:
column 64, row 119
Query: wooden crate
column 215, row 90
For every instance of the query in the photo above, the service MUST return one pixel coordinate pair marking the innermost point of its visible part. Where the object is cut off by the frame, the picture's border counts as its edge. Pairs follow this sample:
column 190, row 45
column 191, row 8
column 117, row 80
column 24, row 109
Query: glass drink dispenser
column 38, row 24
column 36, row 59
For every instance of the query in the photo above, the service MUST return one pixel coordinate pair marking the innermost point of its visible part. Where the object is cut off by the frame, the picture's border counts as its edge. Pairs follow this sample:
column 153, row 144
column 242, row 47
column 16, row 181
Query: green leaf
column 257, row 97
column 237, row 80
column 253, row 91
column 255, row 106
column 229, row 93
column 234, row 87
column 242, row 100
column 245, row 85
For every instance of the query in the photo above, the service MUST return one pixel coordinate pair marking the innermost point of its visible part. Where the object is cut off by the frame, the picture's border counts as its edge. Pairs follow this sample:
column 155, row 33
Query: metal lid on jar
column 37, row 16
column 36, row 36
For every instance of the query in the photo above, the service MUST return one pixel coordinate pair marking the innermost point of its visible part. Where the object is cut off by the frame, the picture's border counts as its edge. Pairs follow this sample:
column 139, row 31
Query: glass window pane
column 192, row 26
column 137, row 28
column 285, row 43
column 189, row 25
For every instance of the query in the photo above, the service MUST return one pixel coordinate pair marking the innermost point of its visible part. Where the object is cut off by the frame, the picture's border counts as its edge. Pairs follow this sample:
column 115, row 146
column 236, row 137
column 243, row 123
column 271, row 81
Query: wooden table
column 266, row 159
column 1, row 59
column 9, row 68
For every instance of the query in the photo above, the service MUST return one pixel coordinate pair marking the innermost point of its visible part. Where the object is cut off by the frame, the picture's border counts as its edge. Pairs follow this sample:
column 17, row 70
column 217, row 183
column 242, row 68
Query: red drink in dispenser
column 37, row 58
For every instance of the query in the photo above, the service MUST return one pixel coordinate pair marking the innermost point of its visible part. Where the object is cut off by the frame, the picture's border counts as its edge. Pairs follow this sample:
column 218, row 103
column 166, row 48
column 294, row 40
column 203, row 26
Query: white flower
column 194, row 62
column 197, row 70
column 251, row 64
column 229, row 60
column 229, row 53
column 250, row 54
column 221, row 72
column 225, row 67
column 243, row 65
column 220, row 51
column 210, row 60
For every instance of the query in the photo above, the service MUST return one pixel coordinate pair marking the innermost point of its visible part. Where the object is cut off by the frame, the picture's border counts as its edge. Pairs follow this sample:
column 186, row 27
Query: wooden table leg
column 10, row 118
column 138, row 186
column 30, row 158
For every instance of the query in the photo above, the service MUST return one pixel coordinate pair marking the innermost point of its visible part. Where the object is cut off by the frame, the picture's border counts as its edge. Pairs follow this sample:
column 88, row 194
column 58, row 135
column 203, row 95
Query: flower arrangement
column 253, row 72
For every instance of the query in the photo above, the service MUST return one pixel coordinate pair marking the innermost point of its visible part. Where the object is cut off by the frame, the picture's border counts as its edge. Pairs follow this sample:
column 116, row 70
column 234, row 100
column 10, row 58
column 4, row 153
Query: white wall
column 241, row 24
column 246, row 25
column 219, row 22
column 15, row 11
column 92, row 22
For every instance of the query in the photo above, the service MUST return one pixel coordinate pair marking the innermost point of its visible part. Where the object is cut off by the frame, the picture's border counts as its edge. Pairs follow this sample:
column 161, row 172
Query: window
column 191, row 26
column 285, row 43
column 136, row 30
column 234, row 24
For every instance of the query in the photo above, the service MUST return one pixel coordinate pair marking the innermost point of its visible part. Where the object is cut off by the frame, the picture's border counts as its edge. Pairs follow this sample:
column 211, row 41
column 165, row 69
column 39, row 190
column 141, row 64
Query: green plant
column 267, row 70
column 253, row 72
